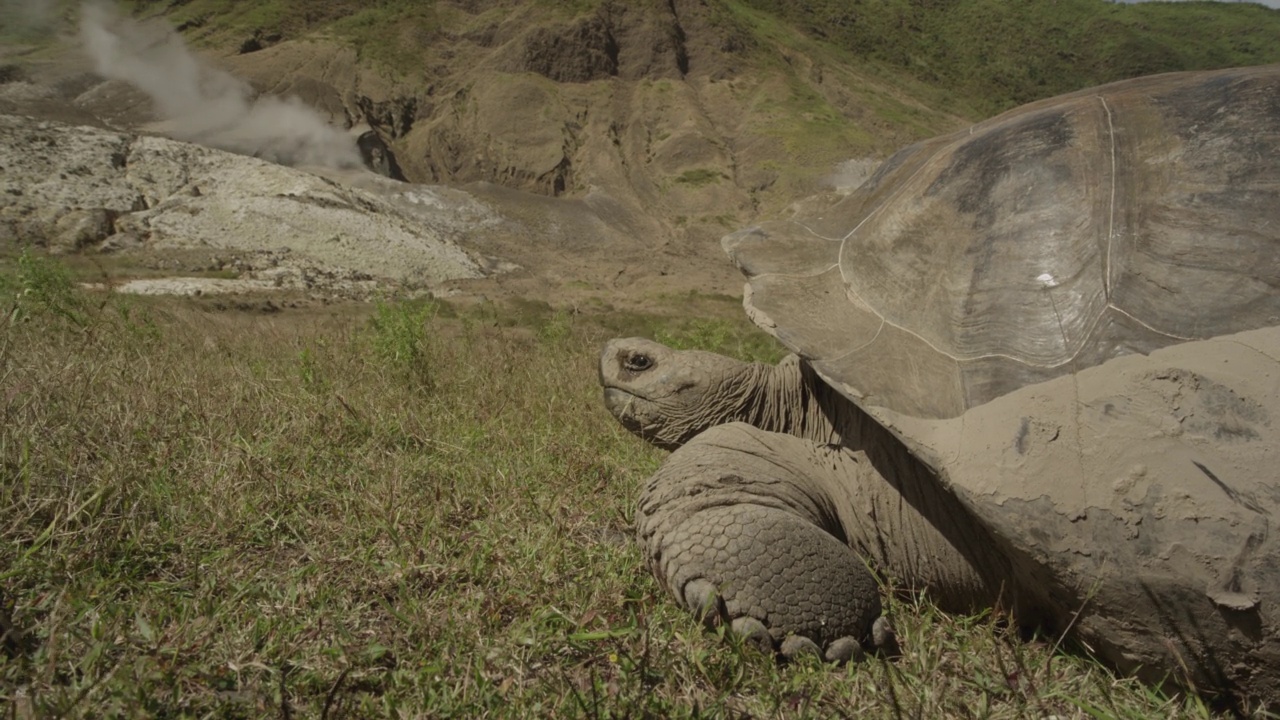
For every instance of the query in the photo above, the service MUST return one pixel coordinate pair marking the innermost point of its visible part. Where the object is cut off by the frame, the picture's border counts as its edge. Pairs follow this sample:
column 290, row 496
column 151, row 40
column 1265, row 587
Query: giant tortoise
column 1037, row 368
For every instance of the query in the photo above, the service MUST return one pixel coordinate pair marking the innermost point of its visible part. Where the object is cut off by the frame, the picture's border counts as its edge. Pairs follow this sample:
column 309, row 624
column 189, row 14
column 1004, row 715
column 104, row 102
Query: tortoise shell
column 1036, row 244
column 1069, row 315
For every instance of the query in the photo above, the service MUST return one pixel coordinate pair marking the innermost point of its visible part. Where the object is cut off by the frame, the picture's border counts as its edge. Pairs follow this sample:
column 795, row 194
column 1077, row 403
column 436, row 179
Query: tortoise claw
column 841, row 650
column 884, row 639
column 844, row 650
column 703, row 599
column 754, row 632
column 796, row 646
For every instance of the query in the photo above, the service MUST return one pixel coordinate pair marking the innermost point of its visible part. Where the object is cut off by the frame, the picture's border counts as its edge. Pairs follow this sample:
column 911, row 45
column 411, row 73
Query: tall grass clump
column 401, row 338
column 227, row 514
column 40, row 286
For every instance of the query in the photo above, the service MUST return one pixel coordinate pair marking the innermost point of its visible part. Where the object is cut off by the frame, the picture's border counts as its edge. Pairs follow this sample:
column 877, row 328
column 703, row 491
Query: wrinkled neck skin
column 785, row 398
column 790, row 398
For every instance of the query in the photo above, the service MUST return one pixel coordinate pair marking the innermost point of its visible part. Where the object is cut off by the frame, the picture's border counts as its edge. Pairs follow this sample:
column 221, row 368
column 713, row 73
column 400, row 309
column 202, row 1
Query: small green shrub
column 401, row 339
column 310, row 371
column 700, row 177
column 41, row 286
column 557, row 328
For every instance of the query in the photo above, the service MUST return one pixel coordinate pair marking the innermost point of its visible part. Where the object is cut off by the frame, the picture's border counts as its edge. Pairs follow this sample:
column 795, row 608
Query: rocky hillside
column 673, row 109
column 655, row 125
column 252, row 224
column 703, row 111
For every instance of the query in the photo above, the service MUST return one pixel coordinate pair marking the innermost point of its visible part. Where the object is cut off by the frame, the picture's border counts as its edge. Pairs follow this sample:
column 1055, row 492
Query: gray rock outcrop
column 73, row 189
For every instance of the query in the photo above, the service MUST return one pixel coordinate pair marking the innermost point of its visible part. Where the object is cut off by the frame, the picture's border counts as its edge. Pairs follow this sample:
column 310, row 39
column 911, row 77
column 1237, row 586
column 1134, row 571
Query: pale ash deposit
column 76, row 188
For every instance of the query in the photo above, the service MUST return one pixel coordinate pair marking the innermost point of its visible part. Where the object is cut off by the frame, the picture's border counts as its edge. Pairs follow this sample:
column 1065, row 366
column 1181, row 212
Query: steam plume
column 206, row 105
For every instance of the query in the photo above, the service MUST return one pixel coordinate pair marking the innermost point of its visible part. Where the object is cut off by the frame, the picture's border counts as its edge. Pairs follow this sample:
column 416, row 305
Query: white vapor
column 206, row 105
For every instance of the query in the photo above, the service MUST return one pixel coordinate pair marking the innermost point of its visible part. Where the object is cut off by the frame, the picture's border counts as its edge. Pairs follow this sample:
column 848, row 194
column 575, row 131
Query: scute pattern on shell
column 1036, row 244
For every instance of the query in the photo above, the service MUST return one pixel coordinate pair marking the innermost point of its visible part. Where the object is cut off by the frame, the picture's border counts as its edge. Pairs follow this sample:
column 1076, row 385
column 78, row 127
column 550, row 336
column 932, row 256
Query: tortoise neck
column 789, row 398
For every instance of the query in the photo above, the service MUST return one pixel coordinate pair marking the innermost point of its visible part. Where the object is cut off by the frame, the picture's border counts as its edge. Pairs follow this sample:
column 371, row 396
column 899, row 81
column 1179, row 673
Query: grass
column 808, row 126
column 995, row 54
column 32, row 23
column 391, row 33
column 388, row 32
column 394, row 510
column 700, row 177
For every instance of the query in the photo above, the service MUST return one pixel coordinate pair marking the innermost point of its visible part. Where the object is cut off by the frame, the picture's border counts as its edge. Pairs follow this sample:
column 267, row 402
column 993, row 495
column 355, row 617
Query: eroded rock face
column 376, row 156
column 620, row 40
column 581, row 53
column 76, row 188
column 619, row 99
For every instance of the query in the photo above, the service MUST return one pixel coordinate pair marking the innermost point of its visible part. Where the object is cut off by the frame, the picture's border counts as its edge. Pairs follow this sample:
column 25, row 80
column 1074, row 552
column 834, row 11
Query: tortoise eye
column 638, row 362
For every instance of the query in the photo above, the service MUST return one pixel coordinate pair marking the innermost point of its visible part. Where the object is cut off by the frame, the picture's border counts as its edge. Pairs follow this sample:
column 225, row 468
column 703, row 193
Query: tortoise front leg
column 740, row 525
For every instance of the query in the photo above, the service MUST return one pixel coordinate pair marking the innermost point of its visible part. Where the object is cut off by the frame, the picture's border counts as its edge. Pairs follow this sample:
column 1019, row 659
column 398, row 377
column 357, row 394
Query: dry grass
column 377, row 512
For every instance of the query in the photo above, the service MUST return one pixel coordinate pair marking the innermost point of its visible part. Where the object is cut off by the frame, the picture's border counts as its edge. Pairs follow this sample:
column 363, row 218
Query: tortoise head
column 667, row 396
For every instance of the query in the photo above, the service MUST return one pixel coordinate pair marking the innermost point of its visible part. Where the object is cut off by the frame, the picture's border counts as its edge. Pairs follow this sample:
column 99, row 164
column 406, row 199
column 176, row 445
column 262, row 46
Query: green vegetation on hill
column 896, row 58
column 995, row 54
column 989, row 55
